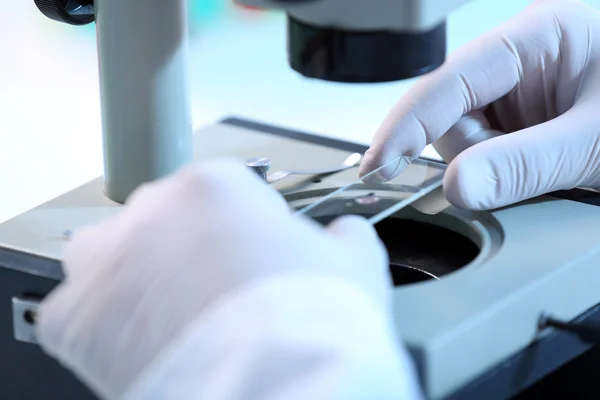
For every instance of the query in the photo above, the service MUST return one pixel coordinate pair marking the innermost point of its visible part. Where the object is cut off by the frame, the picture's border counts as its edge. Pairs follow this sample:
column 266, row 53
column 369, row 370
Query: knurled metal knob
column 72, row 12
column 260, row 165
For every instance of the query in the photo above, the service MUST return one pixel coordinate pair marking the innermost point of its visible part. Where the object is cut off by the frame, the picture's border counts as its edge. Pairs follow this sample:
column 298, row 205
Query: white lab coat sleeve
column 286, row 338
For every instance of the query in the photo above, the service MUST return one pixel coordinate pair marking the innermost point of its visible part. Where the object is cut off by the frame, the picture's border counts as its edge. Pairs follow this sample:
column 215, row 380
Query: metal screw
column 260, row 165
column 30, row 316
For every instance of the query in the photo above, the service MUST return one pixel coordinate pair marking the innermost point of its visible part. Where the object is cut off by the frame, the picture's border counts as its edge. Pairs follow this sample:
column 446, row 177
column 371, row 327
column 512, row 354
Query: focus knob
column 259, row 165
column 72, row 12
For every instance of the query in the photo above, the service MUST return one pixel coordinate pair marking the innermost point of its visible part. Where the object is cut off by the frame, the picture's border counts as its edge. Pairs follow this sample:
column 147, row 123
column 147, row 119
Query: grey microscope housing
column 359, row 41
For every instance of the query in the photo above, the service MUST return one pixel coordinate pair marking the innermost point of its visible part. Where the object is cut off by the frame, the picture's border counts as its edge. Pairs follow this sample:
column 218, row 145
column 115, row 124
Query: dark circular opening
column 29, row 317
column 317, row 180
column 430, row 250
column 420, row 251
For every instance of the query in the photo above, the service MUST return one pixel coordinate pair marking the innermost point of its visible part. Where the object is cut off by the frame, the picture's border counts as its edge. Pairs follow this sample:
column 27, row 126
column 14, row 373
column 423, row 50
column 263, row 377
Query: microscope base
column 498, row 353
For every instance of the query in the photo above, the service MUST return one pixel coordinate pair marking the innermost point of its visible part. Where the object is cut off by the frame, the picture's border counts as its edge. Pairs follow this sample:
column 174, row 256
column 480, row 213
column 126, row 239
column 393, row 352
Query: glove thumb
column 368, row 254
column 555, row 155
column 355, row 231
column 471, row 129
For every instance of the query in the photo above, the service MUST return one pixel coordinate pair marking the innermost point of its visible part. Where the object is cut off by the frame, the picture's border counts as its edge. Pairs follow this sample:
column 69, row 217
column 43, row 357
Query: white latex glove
column 532, row 87
column 206, row 287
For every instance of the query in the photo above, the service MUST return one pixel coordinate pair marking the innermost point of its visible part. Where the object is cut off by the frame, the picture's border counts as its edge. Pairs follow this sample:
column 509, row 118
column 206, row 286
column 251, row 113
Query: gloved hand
column 206, row 287
column 530, row 89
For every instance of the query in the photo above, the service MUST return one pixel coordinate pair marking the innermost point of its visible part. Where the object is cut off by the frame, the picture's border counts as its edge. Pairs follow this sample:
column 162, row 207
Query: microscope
column 142, row 51
column 470, row 287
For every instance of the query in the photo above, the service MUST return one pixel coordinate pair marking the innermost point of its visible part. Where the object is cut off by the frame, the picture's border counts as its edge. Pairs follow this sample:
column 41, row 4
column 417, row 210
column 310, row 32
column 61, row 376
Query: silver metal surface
column 350, row 162
column 260, row 165
column 146, row 107
column 24, row 312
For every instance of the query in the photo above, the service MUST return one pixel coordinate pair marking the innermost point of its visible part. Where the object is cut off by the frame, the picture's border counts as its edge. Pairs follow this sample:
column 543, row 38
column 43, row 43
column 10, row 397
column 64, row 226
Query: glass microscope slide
column 378, row 201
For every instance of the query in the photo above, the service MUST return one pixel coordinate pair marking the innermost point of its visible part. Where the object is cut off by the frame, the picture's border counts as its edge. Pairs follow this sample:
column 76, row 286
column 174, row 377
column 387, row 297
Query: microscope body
column 143, row 61
column 361, row 15
column 357, row 41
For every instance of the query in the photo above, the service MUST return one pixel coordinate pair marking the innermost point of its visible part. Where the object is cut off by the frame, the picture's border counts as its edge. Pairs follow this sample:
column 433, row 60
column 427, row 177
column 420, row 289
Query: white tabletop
column 49, row 102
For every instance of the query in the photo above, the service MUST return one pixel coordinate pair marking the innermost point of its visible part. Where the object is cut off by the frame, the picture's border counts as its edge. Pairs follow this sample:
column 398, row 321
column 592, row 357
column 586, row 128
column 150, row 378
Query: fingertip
column 357, row 232
column 82, row 248
column 354, row 229
column 401, row 133
column 371, row 161
column 351, row 225
column 224, row 176
column 380, row 167
column 52, row 318
column 230, row 177
column 471, row 183
column 197, row 175
column 215, row 171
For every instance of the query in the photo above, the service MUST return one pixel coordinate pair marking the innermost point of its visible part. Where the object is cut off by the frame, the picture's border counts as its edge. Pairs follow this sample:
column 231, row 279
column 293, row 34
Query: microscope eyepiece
column 72, row 12
column 339, row 55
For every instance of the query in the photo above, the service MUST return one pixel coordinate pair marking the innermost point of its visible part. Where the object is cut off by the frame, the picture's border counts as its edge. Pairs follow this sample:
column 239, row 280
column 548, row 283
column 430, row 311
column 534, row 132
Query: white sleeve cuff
column 285, row 338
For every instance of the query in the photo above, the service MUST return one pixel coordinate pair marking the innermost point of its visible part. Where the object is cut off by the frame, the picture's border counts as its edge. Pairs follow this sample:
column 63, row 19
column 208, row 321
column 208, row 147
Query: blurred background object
column 49, row 101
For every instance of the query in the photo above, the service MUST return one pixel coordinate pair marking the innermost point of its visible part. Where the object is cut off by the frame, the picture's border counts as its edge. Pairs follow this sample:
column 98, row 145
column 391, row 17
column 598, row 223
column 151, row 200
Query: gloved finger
column 227, row 182
column 474, row 76
column 87, row 244
column 557, row 155
column 53, row 318
column 370, row 261
column 90, row 246
column 471, row 129
column 357, row 233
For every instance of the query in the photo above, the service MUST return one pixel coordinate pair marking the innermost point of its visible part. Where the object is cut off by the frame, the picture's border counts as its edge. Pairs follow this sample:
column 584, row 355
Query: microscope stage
column 537, row 257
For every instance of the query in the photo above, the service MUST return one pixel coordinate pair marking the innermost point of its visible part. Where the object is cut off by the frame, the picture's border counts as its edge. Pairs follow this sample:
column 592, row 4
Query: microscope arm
column 143, row 63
